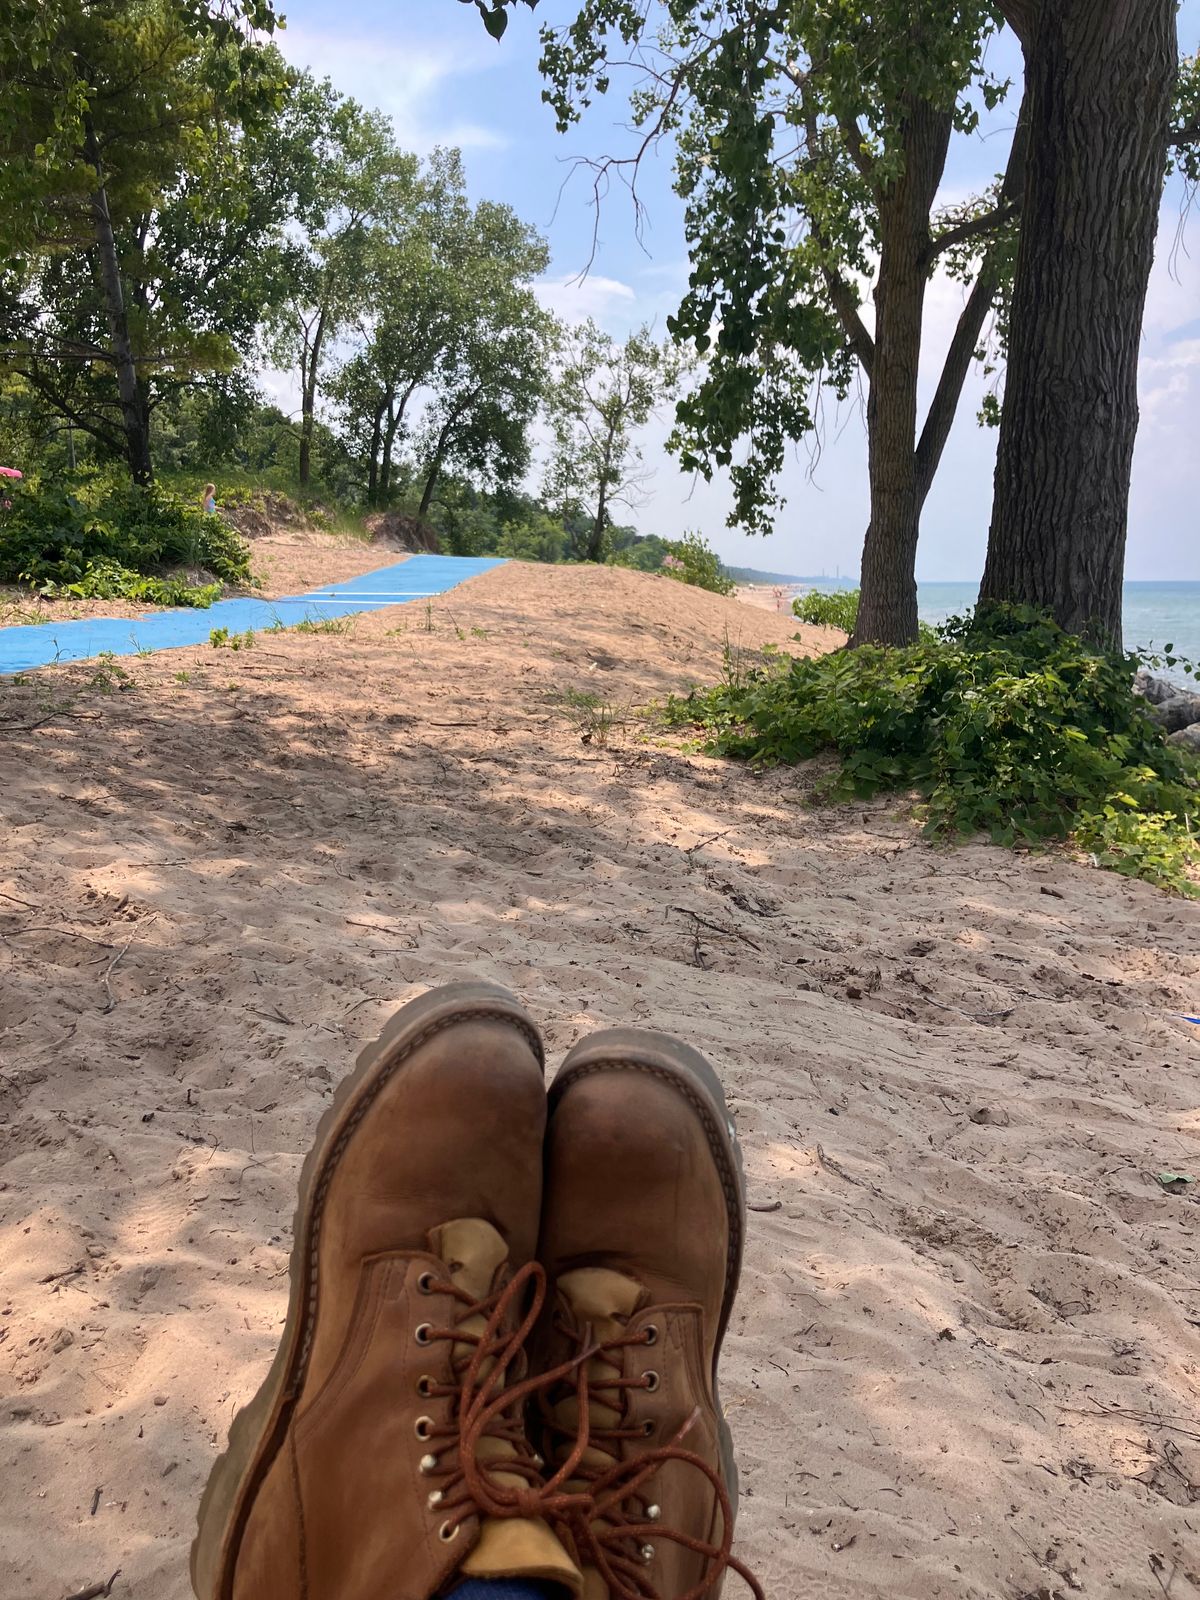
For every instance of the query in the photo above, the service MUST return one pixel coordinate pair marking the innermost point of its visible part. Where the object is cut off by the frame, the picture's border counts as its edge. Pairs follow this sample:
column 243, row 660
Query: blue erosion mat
column 418, row 578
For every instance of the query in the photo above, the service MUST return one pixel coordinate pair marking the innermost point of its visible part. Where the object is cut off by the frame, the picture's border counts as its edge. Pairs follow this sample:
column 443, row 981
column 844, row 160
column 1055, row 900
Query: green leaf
column 495, row 22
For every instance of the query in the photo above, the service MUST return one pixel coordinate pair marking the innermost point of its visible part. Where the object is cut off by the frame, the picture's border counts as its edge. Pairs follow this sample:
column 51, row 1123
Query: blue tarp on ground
column 418, row 578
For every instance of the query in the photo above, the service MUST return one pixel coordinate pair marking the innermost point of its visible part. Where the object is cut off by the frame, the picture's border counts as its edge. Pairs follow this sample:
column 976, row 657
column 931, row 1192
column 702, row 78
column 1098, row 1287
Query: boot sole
column 687, row 1071
column 261, row 1425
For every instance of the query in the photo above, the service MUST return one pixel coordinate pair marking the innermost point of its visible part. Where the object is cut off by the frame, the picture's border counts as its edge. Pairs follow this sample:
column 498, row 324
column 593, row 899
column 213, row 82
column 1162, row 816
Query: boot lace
column 611, row 1530
column 487, row 1406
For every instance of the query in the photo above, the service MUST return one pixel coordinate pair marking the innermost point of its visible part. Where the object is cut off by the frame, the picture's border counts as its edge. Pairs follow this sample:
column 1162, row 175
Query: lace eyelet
column 648, row 1427
column 650, row 1335
column 651, row 1380
column 427, row 1464
column 425, row 1283
column 647, row 1553
column 425, row 1386
column 449, row 1531
column 653, row 1513
column 435, row 1500
column 423, row 1332
column 423, row 1428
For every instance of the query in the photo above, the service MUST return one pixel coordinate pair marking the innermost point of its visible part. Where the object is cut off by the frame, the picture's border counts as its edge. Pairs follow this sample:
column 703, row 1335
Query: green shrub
column 689, row 560
column 97, row 539
column 641, row 554
column 541, row 538
column 1005, row 725
column 836, row 610
column 839, row 609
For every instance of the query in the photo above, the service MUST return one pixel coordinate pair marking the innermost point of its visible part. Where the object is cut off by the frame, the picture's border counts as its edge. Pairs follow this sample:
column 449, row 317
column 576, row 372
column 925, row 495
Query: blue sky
column 429, row 64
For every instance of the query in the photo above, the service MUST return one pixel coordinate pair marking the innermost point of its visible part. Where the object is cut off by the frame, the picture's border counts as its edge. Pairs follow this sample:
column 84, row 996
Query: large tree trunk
column 134, row 418
column 1100, row 76
column 887, row 610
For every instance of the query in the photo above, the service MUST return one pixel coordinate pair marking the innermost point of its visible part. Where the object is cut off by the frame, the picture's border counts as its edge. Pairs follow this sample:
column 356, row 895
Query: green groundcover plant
column 96, row 539
column 1003, row 724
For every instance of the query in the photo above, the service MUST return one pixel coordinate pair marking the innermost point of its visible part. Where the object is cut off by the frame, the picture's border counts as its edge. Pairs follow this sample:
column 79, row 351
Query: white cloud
column 606, row 300
column 1168, row 380
column 404, row 80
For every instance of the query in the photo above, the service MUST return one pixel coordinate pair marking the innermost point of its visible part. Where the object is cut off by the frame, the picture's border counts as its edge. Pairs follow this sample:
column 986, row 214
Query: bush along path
column 96, row 540
column 419, row 578
column 1003, row 725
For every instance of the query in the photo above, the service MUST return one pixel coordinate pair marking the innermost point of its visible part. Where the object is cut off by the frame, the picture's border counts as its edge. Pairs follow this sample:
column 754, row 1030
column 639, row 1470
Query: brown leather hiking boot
column 384, row 1455
column 642, row 1226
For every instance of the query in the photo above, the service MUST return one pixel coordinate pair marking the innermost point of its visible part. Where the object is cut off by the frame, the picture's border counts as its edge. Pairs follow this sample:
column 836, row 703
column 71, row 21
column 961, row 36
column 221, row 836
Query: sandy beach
column 768, row 597
column 966, row 1358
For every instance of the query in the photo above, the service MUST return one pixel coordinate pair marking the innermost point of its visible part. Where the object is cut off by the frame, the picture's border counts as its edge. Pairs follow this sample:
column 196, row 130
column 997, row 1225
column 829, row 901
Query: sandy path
column 965, row 1358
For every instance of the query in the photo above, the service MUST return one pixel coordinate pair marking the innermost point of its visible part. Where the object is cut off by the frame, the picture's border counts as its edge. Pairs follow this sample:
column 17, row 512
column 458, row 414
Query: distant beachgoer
column 209, row 499
column 778, row 593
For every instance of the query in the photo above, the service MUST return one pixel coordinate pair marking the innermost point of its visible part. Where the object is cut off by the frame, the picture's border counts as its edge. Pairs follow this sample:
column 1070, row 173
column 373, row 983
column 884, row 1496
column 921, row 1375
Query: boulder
column 1153, row 689
column 1188, row 738
column 1180, row 711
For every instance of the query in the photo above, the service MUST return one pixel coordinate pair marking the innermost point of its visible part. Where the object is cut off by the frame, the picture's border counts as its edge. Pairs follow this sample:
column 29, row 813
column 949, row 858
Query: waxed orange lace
column 604, row 1533
column 489, row 1406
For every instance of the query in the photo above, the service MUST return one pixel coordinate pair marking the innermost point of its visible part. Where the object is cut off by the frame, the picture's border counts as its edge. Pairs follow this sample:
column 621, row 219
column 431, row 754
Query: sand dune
column 964, row 1363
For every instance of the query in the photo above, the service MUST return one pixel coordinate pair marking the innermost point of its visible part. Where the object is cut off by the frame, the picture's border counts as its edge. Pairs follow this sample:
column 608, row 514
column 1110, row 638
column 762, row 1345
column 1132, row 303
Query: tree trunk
column 435, row 472
column 373, row 469
column 1100, row 76
column 446, row 436
column 310, row 361
column 133, row 411
column 963, row 345
column 389, row 439
column 595, row 544
column 887, row 610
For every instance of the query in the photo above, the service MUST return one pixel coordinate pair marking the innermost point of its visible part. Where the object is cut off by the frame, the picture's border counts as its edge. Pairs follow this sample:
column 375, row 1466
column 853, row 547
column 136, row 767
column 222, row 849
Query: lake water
column 1156, row 614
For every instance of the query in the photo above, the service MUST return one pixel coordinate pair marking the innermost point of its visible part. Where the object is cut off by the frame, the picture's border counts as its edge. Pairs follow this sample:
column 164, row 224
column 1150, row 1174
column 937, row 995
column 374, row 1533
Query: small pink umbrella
column 10, row 472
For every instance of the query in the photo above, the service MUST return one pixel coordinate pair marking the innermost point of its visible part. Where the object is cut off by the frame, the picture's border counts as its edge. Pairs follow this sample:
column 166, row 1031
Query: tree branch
column 857, row 151
column 988, row 222
column 1021, row 16
column 86, row 424
column 1187, row 135
column 845, row 303
column 841, row 296
column 946, row 396
column 961, row 353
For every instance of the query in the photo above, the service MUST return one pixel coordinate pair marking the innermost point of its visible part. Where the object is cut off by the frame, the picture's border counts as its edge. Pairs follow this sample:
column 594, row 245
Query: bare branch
column 1187, row 135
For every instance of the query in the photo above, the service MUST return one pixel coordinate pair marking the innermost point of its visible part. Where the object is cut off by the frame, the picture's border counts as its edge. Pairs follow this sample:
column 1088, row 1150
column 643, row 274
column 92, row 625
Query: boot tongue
column 521, row 1547
column 472, row 1251
column 604, row 1300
